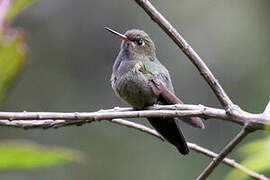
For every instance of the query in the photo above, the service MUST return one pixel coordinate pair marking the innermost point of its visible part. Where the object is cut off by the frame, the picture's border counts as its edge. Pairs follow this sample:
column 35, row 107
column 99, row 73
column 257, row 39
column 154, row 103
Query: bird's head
column 137, row 42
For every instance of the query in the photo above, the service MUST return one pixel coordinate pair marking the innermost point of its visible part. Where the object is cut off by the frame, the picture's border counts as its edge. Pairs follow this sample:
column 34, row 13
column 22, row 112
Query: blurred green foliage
column 16, row 7
column 20, row 155
column 13, row 47
column 12, row 59
column 256, row 158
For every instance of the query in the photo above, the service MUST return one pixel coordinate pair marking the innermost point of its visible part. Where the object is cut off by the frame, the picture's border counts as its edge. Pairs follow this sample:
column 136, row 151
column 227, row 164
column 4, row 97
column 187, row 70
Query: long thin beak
column 117, row 34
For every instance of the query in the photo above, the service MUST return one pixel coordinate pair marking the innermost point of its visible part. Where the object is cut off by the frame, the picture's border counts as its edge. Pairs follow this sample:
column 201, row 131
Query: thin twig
column 137, row 126
column 95, row 116
column 227, row 149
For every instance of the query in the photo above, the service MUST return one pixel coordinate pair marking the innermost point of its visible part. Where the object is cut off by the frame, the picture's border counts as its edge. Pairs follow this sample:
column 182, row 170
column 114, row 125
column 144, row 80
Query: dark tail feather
column 193, row 121
column 171, row 131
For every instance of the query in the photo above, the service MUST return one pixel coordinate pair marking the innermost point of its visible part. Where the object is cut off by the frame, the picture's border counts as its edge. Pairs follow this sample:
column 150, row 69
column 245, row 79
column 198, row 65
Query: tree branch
column 137, row 126
column 235, row 113
column 227, row 149
column 187, row 49
column 28, row 124
column 57, row 119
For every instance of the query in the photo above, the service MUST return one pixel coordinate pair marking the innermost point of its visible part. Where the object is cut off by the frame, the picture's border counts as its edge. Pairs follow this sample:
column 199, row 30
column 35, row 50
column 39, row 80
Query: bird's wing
column 167, row 97
column 156, row 81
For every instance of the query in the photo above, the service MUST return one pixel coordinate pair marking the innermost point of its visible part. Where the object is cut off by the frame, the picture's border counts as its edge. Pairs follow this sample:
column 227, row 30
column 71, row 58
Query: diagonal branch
column 232, row 111
column 137, row 126
column 227, row 149
column 187, row 49
column 229, row 162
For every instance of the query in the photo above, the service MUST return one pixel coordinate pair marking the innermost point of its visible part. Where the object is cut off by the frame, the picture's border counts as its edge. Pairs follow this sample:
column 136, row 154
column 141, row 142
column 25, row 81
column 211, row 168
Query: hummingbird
column 140, row 79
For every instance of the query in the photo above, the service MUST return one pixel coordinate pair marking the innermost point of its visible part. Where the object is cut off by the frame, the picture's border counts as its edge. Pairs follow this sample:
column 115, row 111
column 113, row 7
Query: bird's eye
column 140, row 42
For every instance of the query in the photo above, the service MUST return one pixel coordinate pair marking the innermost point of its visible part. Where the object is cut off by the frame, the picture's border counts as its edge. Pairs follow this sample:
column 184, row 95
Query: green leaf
column 253, row 147
column 13, row 50
column 257, row 159
column 18, row 6
column 20, row 155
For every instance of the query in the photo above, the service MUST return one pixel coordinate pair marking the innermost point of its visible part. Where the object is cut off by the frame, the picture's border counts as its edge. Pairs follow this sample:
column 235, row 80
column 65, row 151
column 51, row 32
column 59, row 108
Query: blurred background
column 69, row 66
